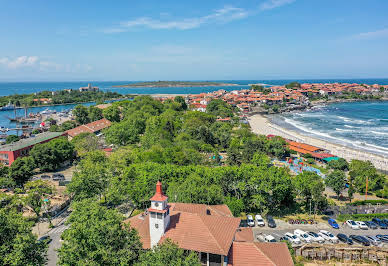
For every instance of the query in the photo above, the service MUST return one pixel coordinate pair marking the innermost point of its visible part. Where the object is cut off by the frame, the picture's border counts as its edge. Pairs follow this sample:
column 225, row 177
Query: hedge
column 361, row 217
column 365, row 202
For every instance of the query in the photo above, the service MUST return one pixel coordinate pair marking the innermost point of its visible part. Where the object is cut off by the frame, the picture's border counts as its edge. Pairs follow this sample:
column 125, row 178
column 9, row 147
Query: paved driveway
column 283, row 227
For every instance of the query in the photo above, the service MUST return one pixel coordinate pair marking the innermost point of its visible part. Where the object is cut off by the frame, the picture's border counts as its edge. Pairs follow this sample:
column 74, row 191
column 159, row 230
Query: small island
column 156, row 84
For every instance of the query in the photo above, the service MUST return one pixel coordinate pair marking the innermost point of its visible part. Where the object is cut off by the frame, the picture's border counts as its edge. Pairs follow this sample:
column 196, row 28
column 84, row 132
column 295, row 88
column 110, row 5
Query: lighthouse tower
column 159, row 215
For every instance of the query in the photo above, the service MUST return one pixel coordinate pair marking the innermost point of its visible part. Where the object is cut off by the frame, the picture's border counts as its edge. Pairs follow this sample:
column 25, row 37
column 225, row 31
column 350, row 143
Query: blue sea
column 7, row 88
column 361, row 125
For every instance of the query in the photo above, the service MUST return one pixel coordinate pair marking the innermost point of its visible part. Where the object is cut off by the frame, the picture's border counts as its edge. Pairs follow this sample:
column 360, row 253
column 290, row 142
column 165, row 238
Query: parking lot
column 283, row 227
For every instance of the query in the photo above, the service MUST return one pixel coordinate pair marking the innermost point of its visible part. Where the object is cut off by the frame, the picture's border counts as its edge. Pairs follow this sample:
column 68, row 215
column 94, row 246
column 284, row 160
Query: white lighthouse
column 159, row 215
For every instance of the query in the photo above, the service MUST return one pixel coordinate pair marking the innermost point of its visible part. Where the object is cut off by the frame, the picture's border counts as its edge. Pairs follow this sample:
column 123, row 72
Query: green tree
column 360, row 171
column 67, row 125
column 261, row 160
column 336, row 180
column 18, row 246
column 36, row 192
column 195, row 189
column 293, row 85
column 22, row 169
column 219, row 108
column 11, row 139
column 84, row 143
column 94, row 113
column 49, row 156
column 112, row 113
column 309, row 187
column 181, row 101
column 98, row 236
column 123, row 133
column 340, row 164
column 81, row 114
column 168, row 253
column 91, row 177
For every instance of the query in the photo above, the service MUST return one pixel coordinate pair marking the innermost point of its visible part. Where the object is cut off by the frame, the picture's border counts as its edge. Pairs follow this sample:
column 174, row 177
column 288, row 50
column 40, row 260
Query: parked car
column 382, row 238
column 362, row 225
column 344, row 238
column 374, row 240
column 271, row 222
column 45, row 177
column 360, row 239
column 269, row 238
column 243, row 223
column 250, row 220
column 371, row 225
column 58, row 177
column 333, row 223
column 352, row 224
column 328, row 236
column 303, row 236
column 45, row 239
column 293, row 238
column 284, row 238
column 259, row 220
column 316, row 238
column 380, row 223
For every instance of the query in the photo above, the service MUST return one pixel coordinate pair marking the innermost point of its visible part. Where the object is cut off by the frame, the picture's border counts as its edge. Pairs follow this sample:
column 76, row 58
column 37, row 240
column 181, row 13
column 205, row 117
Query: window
column 153, row 214
column 156, row 204
column 159, row 215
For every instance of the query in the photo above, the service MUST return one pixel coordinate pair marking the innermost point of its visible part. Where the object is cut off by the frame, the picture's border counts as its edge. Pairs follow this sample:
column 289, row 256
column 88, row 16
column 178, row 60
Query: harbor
column 21, row 120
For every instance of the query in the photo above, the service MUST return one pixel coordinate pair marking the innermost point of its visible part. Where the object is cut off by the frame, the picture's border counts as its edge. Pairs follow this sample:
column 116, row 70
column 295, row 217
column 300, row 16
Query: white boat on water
column 47, row 112
column 7, row 107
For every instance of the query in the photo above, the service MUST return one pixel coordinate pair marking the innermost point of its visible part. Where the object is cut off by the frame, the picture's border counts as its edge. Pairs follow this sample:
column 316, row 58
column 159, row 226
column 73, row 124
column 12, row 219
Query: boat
column 47, row 112
column 7, row 107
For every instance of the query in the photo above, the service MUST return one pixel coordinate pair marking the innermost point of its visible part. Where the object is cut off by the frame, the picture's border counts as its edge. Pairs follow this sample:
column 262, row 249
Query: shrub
column 366, row 202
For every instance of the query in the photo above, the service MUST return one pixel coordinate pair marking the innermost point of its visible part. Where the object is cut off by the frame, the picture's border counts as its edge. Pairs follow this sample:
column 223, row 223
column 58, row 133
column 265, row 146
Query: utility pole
column 366, row 188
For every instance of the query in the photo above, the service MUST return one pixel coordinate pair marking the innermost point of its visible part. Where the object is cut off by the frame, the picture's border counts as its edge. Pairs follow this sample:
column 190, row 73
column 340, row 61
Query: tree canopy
column 98, row 236
column 18, row 246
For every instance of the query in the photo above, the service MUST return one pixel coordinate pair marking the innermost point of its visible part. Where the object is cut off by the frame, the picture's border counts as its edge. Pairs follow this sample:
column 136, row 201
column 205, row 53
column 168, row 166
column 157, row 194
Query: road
column 55, row 235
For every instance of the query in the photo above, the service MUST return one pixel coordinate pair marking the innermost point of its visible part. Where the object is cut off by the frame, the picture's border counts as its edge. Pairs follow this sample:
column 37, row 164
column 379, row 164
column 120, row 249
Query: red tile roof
column 252, row 254
column 244, row 235
column 193, row 229
column 89, row 128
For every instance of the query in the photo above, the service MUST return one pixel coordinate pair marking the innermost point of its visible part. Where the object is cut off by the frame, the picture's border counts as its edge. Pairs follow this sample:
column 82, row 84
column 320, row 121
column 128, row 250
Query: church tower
column 159, row 215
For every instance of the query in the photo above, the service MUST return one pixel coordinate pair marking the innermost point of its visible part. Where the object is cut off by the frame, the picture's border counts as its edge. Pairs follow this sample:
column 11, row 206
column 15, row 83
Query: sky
column 192, row 40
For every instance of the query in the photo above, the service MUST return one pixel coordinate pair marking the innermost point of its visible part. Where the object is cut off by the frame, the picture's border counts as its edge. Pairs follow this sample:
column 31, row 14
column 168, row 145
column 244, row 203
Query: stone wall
column 343, row 253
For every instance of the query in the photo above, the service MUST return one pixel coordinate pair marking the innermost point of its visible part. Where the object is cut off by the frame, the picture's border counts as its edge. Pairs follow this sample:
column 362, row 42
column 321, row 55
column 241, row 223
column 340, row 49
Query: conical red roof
column 159, row 196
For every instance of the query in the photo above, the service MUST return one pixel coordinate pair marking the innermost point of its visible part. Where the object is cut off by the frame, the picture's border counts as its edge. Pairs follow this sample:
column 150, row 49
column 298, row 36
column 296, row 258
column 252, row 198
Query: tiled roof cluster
column 89, row 128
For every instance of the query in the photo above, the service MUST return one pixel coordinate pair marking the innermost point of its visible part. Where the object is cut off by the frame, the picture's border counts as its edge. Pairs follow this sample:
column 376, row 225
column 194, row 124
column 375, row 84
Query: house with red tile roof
column 209, row 230
column 93, row 127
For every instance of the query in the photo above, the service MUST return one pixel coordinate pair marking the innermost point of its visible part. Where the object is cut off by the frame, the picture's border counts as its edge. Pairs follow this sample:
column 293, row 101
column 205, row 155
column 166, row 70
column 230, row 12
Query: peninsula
column 155, row 84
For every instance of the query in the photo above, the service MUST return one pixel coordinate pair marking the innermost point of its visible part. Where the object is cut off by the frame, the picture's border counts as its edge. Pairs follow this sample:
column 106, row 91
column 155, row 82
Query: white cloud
column 36, row 63
column 21, row 61
column 223, row 15
column 371, row 35
column 271, row 4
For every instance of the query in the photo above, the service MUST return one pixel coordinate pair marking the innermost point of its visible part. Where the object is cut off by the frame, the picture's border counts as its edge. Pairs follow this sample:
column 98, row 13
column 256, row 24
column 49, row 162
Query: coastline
column 134, row 86
column 262, row 125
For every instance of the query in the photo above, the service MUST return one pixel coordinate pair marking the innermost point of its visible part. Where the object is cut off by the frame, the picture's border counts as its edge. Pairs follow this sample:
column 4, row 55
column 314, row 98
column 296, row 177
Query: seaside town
column 54, row 163
column 194, row 133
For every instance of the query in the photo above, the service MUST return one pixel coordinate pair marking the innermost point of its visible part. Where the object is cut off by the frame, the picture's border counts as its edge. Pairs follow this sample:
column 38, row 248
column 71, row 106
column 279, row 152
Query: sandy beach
column 261, row 125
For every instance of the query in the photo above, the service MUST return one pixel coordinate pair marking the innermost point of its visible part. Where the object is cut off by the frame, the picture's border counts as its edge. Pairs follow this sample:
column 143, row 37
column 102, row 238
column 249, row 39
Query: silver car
column 373, row 240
